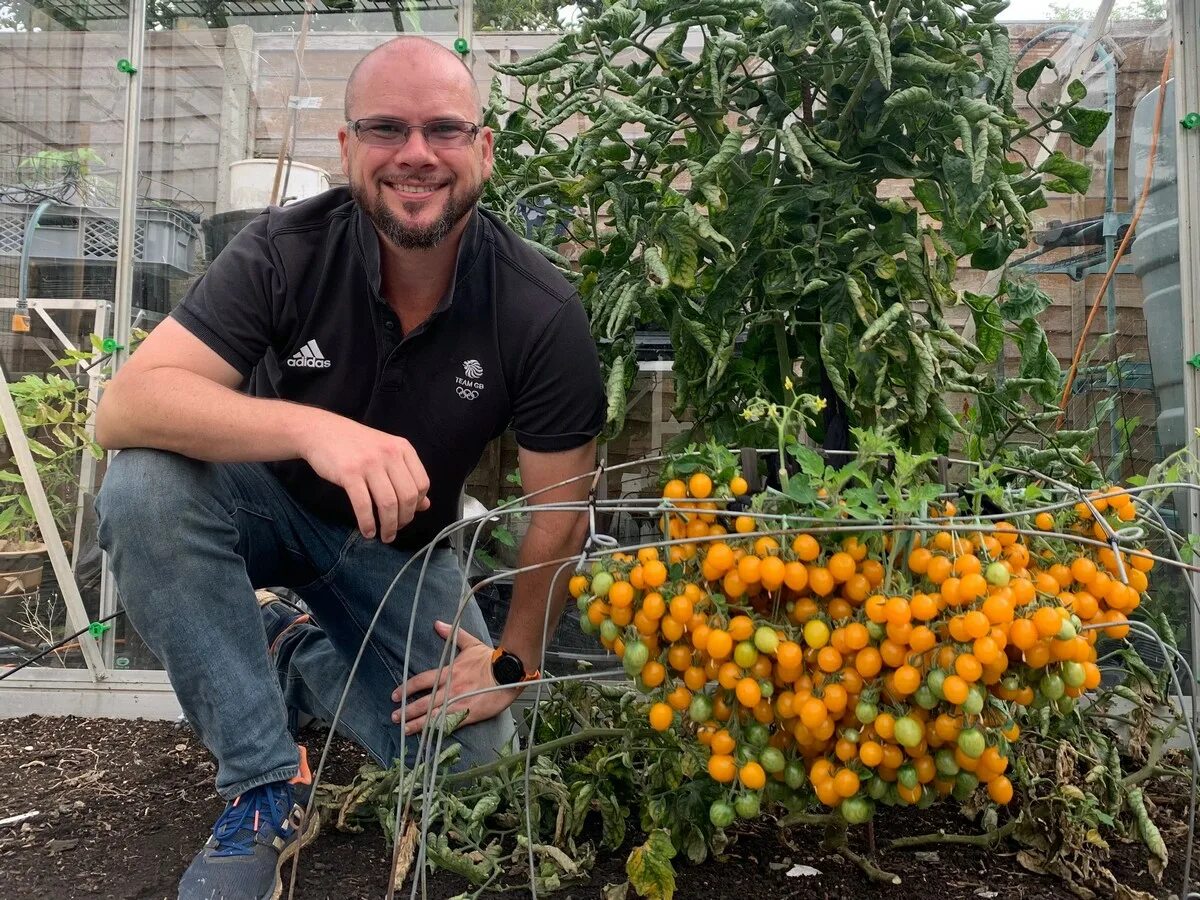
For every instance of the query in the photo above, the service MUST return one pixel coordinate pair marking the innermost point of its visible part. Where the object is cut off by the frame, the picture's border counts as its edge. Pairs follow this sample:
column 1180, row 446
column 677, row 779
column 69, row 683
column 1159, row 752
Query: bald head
column 410, row 56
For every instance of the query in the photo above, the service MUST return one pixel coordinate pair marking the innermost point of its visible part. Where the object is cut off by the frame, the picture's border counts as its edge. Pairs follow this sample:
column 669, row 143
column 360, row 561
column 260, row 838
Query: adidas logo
column 309, row 357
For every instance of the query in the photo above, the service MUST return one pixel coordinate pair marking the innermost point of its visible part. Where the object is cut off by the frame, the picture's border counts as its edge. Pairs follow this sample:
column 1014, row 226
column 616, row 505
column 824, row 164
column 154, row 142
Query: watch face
column 508, row 669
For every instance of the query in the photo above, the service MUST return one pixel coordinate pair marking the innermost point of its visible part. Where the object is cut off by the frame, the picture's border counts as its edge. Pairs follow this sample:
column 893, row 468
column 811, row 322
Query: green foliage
column 54, row 414
column 739, row 197
column 596, row 760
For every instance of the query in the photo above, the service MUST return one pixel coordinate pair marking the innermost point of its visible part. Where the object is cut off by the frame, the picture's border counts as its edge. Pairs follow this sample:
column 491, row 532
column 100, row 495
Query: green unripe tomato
column 609, row 630
column 775, row 792
column 745, row 654
column 766, row 640
column 909, row 731
column 772, row 760
column 857, row 810
column 972, row 742
column 964, row 786
column 877, row 788
column 1052, row 686
column 701, row 708
column 720, row 814
column 586, row 626
column 601, row 583
column 794, row 775
column 1073, row 673
column 636, row 656
column 997, row 574
column 934, row 681
column 866, row 712
column 925, row 698
column 907, row 776
column 945, row 762
column 976, row 697
column 756, row 734
column 747, row 805
column 1066, row 631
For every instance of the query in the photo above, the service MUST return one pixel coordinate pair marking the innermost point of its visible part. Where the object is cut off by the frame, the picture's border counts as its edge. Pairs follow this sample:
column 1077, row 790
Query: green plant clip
column 97, row 629
column 1191, row 120
column 124, row 65
column 109, row 345
column 461, row 46
column 1194, row 362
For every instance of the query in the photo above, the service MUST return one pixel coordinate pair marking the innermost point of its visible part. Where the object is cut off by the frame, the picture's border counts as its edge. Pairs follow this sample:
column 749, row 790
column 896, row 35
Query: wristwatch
column 507, row 668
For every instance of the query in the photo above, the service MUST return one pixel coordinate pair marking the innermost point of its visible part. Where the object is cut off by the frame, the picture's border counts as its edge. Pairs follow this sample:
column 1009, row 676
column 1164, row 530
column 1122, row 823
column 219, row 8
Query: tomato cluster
column 884, row 666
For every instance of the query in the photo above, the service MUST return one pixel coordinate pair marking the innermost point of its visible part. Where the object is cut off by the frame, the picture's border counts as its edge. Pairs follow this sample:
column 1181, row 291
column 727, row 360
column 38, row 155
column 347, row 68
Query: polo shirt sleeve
column 560, row 404
column 232, row 307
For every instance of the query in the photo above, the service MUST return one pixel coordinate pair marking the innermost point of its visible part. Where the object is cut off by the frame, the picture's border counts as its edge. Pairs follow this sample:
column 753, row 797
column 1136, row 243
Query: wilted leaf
column 649, row 867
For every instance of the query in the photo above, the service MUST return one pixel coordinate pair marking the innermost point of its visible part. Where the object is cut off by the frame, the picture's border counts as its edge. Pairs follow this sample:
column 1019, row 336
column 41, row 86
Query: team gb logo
column 468, row 388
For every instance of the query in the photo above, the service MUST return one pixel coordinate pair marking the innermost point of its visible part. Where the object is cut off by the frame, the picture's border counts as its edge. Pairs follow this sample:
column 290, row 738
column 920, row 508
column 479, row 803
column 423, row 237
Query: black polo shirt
column 294, row 304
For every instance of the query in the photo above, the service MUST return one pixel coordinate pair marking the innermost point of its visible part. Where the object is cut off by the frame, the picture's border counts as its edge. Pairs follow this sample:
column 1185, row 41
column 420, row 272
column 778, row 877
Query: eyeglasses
column 442, row 134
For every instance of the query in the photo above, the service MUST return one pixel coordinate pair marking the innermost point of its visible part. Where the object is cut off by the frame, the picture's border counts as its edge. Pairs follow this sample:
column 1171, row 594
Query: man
column 381, row 335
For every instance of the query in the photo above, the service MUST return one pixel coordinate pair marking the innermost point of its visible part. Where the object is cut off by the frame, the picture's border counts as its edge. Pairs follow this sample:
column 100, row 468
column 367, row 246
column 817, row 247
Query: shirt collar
column 468, row 251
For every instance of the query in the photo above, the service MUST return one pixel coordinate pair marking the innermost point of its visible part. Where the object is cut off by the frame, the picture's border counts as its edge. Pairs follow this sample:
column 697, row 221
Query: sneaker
column 259, row 831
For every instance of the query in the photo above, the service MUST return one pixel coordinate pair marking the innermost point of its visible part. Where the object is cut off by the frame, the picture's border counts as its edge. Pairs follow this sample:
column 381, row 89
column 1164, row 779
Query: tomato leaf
column 1029, row 77
column 649, row 867
column 1085, row 125
column 1070, row 176
column 989, row 325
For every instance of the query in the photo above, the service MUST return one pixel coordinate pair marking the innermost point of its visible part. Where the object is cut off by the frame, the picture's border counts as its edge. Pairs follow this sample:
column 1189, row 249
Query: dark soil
column 123, row 806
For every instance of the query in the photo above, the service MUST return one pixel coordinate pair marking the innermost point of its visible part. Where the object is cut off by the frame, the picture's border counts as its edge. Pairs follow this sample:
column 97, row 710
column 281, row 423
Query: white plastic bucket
column 250, row 183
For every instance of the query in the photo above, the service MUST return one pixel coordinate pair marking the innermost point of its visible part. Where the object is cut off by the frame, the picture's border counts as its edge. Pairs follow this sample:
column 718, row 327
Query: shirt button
column 389, row 325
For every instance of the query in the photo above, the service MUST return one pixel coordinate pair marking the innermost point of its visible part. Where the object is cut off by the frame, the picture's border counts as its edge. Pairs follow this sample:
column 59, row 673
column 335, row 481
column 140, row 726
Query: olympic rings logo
column 466, row 394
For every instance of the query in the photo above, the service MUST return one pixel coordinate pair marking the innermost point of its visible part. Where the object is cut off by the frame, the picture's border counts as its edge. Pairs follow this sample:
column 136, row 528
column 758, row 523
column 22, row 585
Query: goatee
column 423, row 237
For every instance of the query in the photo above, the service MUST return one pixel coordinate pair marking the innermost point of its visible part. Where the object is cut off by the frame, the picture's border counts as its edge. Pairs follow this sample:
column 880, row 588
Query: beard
column 422, row 237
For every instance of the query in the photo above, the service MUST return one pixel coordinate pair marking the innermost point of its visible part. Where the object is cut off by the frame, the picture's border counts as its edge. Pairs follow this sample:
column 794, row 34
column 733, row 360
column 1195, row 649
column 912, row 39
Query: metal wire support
column 428, row 751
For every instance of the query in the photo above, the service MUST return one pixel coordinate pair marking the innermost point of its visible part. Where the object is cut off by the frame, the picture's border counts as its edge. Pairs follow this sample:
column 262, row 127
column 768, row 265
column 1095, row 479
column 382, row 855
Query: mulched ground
column 123, row 806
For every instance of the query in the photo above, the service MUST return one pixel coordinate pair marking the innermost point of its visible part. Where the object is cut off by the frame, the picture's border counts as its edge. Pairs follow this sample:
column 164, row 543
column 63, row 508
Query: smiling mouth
column 414, row 190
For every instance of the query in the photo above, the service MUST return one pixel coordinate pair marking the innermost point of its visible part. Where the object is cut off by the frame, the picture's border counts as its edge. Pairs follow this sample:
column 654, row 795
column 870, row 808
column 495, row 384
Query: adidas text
column 309, row 363
column 309, row 357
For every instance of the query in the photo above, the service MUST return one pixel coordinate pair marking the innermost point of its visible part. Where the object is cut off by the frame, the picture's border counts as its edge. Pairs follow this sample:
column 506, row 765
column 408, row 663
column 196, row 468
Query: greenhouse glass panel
column 61, row 126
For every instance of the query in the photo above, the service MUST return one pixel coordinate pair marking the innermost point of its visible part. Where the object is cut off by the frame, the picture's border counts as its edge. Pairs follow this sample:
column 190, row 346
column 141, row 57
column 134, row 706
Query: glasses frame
column 356, row 126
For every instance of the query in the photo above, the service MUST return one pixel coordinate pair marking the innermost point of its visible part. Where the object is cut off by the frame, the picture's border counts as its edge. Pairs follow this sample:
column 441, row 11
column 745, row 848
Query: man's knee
column 142, row 492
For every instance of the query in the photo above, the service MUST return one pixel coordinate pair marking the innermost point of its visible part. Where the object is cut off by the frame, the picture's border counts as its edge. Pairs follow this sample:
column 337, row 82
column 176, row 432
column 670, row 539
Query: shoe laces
column 239, row 824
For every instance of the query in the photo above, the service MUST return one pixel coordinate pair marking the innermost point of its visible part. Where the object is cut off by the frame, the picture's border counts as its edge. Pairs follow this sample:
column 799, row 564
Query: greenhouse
column 864, row 473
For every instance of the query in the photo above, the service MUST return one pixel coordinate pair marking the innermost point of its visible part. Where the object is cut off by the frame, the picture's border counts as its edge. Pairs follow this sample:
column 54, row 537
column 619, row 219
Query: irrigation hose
column 1124, row 245
column 60, row 644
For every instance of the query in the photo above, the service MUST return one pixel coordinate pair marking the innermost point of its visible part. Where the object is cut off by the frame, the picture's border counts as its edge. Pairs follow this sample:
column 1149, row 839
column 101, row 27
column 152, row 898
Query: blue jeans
column 190, row 541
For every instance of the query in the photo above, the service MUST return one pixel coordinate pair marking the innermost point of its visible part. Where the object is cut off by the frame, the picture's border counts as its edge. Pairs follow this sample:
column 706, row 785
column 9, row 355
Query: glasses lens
column 449, row 134
column 383, row 132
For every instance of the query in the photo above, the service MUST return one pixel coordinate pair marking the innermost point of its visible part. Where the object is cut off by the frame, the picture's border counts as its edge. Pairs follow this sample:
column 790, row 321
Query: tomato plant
column 738, row 195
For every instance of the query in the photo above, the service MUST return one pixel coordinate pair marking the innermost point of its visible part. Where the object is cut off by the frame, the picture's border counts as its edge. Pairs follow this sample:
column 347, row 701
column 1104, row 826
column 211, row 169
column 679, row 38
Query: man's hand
column 380, row 473
column 470, row 671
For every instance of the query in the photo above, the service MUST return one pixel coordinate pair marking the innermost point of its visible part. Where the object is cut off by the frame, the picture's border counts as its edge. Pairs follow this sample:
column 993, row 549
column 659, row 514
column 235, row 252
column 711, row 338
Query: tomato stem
column 987, row 839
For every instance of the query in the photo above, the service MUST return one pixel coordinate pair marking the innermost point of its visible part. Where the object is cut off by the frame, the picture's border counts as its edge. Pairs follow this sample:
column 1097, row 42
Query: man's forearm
column 177, row 410
column 527, row 621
